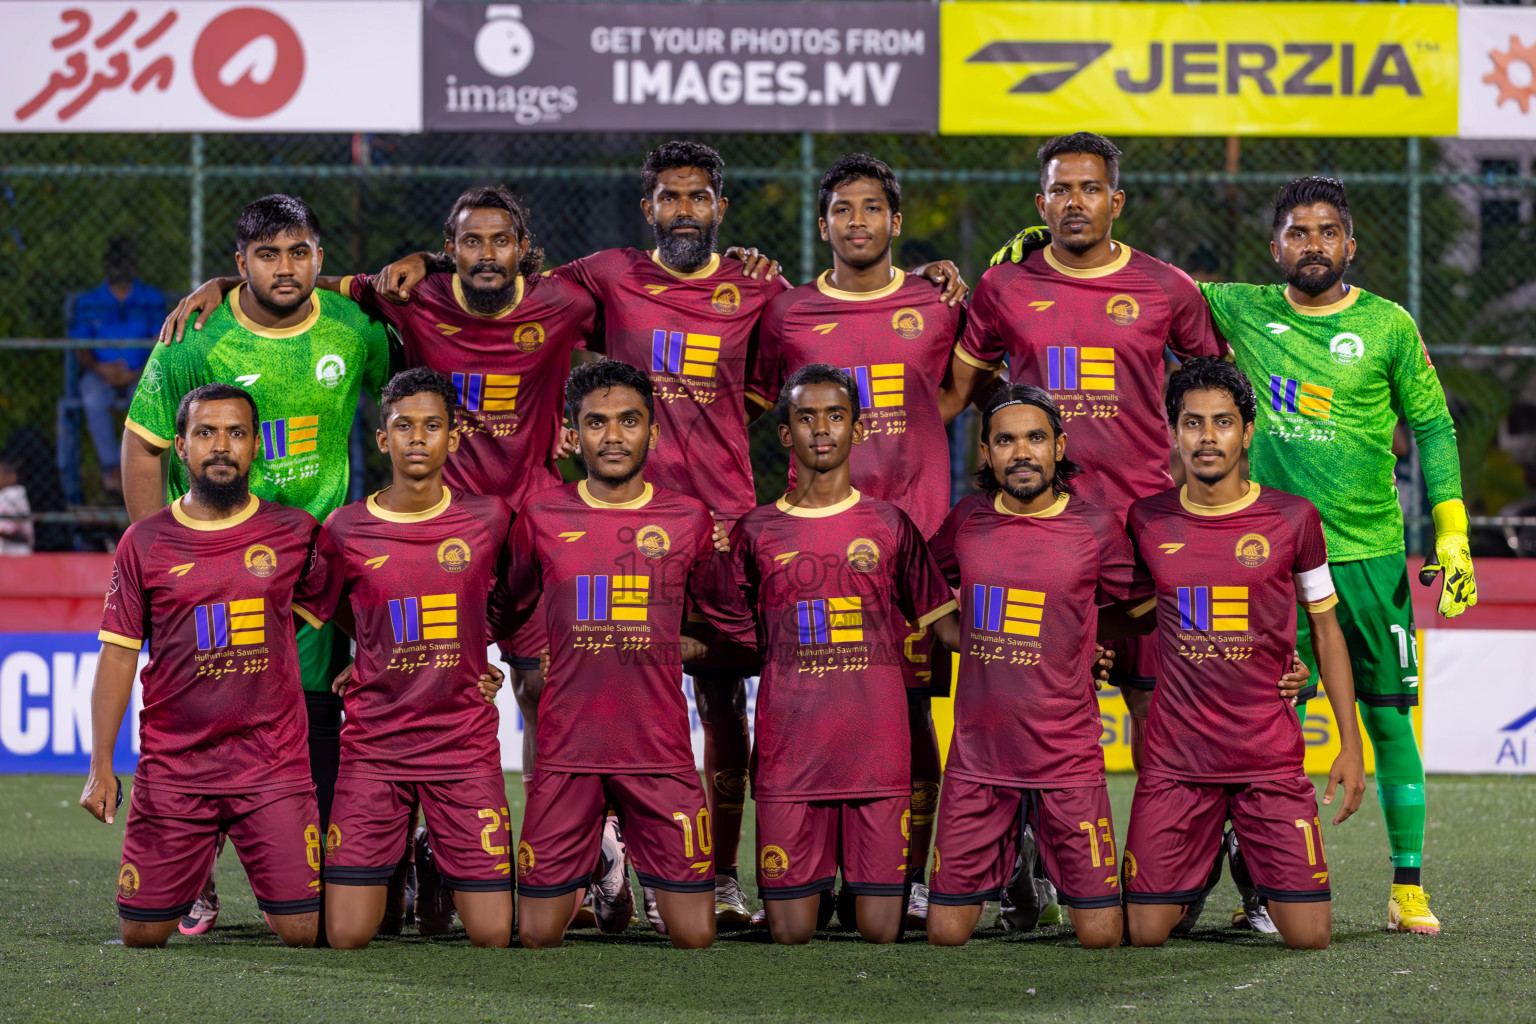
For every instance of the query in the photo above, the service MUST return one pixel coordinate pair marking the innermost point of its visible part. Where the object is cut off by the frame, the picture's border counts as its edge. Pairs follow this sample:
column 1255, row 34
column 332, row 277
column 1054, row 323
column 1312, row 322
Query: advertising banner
column 1498, row 72
column 737, row 67
column 211, row 65
column 1199, row 69
column 45, row 705
column 1482, row 710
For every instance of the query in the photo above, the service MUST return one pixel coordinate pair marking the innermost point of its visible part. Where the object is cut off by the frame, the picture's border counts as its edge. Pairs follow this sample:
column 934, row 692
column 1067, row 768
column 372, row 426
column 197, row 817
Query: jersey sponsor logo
column 525, row 859
column 487, row 392
column 690, row 355
column 332, row 839
column 152, row 379
column 245, row 380
column 726, row 300
column 1006, row 610
column 453, row 555
column 880, row 385
column 1214, row 609
column 773, row 862
column 1171, row 548
column 331, row 370
column 292, row 436
column 831, row 620
column 612, row 598
column 785, row 558
column 1253, row 550
column 863, row 554
column 376, row 563
column 231, row 624
column 429, row 617
column 572, row 536
column 652, row 541
column 448, row 329
column 1287, row 394
column 528, row 337
column 1064, row 371
column 127, row 882
column 1346, row 349
column 1122, row 309
column 825, row 329
column 1041, row 305
column 656, row 289
column 175, row 570
column 907, row 322
column 260, row 560
column 1275, row 328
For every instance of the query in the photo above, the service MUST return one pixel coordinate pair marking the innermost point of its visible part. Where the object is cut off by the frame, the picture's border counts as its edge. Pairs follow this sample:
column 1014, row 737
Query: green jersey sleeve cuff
column 147, row 434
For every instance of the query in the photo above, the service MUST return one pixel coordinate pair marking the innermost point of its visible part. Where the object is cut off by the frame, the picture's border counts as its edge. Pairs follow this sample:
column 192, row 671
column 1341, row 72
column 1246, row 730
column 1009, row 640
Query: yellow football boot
column 1408, row 911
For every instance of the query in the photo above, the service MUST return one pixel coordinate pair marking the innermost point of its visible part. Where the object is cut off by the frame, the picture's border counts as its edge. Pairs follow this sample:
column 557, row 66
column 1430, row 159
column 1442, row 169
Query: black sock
column 1405, row 876
column 324, row 711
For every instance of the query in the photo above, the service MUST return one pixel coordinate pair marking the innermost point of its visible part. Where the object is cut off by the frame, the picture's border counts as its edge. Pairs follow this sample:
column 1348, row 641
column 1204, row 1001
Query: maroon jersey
column 509, row 369
column 614, row 580
column 1030, row 585
column 895, row 342
column 223, row 711
column 1095, row 339
column 825, row 595
column 415, row 586
column 696, row 335
column 1226, row 626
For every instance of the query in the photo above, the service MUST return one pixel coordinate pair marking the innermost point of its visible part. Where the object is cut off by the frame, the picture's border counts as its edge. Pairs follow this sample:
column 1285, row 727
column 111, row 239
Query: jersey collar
column 824, row 284
column 517, row 300
column 214, row 524
column 707, row 270
column 819, row 513
column 380, row 512
column 1118, row 263
column 1350, row 295
column 1056, row 508
column 274, row 332
column 1220, row 510
column 640, row 502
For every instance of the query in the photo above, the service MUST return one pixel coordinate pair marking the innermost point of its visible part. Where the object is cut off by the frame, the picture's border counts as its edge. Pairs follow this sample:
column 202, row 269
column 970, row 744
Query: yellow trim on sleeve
column 147, row 434
column 759, row 399
column 819, row 513
column 308, row 616
column 970, row 360
column 1118, row 263
column 106, row 636
column 1317, row 607
column 824, row 285
column 1146, row 606
column 379, row 512
column 297, row 329
column 213, row 524
column 345, row 287
column 1333, row 307
column 937, row 614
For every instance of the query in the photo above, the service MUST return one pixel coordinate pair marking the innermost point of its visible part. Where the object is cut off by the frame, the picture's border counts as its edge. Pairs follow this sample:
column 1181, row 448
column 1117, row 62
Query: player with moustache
column 823, row 583
column 408, row 572
column 211, row 583
column 894, row 333
column 1231, row 560
column 616, row 560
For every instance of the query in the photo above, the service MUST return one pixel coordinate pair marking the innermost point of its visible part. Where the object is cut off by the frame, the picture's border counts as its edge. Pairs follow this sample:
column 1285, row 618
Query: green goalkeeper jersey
column 1331, row 384
column 305, row 380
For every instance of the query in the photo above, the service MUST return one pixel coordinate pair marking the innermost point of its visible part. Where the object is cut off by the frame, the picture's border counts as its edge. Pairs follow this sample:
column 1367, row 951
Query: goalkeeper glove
column 1022, row 244
column 1453, row 556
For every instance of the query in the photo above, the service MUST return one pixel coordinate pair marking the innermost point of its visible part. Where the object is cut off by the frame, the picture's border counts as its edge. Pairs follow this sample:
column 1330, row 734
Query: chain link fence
column 1449, row 234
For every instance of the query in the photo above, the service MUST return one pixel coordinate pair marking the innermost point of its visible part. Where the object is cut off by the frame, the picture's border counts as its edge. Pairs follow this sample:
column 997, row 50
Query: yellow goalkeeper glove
column 1453, row 556
column 1021, row 244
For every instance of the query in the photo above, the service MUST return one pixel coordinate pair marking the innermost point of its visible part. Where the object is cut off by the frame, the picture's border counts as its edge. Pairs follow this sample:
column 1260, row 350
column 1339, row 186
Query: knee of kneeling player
column 302, row 930
column 339, row 936
column 490, row 938
column 942, row 932
column 1144, row 931
column 1308, row 936
column 540, row 939
column 145, row 934
column 1105, row 934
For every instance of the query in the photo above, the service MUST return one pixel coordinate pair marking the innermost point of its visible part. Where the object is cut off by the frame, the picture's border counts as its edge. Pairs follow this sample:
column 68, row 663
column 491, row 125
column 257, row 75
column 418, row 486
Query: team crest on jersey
column 653, row 541
column 907, row 322
column 863, row 554
column 528, row 337
column 1122, row 309
column 332, row 839
column 453, row 555
column 260, row 560
column 726, row 300
column 1346, row 348
column 1128, row 860
column 524, row 859
column 127, row 882
column 935, row 860
column 1253, row 550
column 331, row 370
column 731, row 783
column 774, row 862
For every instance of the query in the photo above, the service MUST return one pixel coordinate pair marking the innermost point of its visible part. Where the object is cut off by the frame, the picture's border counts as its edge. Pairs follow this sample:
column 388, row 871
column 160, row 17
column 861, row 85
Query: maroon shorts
column 467, row 819
column 665, row 823
column 978, row 837
column 1176, row 830
column 800, row 846
column 170, row 843
column 1135, row 663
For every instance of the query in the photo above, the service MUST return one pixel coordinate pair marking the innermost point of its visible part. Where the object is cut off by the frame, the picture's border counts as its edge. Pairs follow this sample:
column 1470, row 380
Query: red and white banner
column 211, row 65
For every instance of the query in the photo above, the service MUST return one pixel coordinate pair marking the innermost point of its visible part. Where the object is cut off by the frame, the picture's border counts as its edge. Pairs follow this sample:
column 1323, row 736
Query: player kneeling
column 1230, row 561
column 211, row 583
column 1032, row 562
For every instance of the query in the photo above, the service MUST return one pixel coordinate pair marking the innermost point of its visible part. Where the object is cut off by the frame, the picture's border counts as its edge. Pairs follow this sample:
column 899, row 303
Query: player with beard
column 615, row 559
column 304, row 356
column 893, row 332
column 211, row 583
column 1339, row 365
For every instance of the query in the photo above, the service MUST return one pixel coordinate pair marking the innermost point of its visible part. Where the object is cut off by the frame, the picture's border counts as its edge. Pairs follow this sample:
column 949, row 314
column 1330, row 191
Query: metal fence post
column 195, row 207
column 807, row 206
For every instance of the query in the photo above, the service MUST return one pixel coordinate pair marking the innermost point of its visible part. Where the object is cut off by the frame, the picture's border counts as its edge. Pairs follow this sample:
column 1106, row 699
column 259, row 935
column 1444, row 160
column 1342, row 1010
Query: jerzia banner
column 681, row 67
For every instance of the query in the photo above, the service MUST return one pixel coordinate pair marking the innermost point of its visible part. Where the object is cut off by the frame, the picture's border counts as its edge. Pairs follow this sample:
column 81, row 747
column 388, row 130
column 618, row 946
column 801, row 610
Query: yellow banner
column 1202, row 69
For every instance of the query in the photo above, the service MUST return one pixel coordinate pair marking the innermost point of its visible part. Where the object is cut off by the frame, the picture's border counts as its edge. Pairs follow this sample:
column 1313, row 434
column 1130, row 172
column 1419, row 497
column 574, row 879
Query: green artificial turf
column 58, row 871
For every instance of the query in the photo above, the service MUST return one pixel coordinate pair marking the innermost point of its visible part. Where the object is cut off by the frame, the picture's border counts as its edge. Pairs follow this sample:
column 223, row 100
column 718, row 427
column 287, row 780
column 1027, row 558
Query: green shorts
column 1376, row 614
column 322, row 653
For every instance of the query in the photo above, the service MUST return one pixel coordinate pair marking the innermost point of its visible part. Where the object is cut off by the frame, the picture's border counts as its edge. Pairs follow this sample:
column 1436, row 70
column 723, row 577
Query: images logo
column 293, row 436
column 489, row 392
column 1063, row 371
column 612, row 598
column 504, row 46
column 834, row 620
column 432, row 617
column 1217, row 609
column 1006, row 610
column 237, row 623
column 692, row 355
column 1288, row 395
column 880, row 385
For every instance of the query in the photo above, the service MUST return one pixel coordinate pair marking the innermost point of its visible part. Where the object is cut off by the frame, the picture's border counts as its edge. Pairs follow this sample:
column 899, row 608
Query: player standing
column 830, row 578
column 615, row 559
column 893, row 332
column 210, row 583
column 1231, row 560
column 1032, row 562
column 304, row 357
column 1339, row 365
